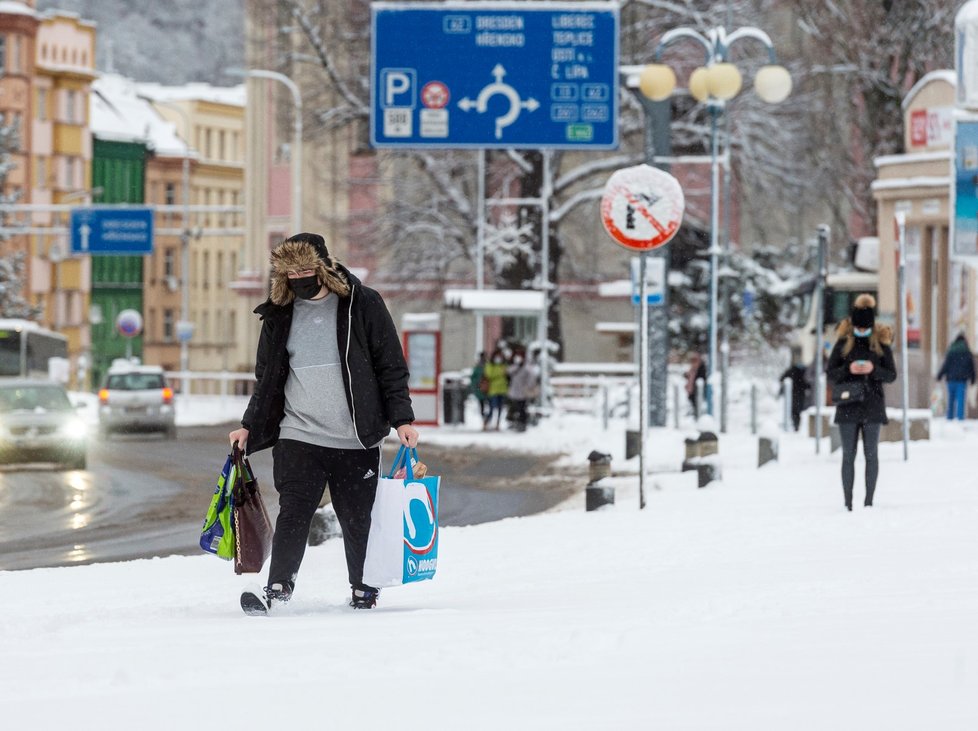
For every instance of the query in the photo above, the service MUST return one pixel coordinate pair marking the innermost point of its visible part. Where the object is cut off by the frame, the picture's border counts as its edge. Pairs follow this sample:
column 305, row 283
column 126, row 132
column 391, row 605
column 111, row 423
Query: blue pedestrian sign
column 112, row 230
column 494, row 75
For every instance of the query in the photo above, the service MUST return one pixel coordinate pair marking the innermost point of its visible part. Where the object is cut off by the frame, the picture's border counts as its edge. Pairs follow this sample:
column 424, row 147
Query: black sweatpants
column 850, row 442
column 301, row 472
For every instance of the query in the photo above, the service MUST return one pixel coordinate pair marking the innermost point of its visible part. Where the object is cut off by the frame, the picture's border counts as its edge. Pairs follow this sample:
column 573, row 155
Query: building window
column 205, row 271
column 44, row 50
column 41, row 166
column 150, row 324
column 205, row 327
column 69, row 180
column 169, row 262
column 168, row 325
column 69, row 111
column 220, row 269
column 3, row 55
column 221, row 152
column 15, row 56
column 42, row 104
column 171, row 194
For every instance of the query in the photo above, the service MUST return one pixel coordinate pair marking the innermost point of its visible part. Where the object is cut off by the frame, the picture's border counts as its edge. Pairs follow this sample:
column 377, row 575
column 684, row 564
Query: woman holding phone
column 861, row 362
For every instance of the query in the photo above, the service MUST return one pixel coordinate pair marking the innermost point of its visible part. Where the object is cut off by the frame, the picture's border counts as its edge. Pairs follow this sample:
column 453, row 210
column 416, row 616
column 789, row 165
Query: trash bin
column 454, row 393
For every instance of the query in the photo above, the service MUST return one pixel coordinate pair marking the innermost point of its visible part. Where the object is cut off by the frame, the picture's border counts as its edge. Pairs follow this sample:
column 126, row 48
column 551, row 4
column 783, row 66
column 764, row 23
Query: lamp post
column 715, row 83
column 296, row 135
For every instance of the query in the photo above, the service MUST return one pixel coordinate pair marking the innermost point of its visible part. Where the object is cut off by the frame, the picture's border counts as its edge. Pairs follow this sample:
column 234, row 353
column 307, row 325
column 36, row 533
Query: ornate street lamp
column 715, row 83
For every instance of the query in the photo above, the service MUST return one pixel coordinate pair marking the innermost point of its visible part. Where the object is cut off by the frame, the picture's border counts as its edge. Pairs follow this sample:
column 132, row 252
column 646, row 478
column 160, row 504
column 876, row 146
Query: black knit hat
column 863, row 317
column 316, row 241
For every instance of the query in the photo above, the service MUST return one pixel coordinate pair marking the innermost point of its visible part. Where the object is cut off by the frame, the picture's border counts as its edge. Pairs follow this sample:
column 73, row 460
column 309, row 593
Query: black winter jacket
column 872, row 410
column 374, row 371
column 959, row 364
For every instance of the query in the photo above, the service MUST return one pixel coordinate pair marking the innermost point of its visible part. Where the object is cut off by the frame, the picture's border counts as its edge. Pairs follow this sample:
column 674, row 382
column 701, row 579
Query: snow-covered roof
column 920, row 181
column 119, row 113
column 615, row 327
column 616, row 288
column 941, row 74
column 513, row 302
column 12, row 7
column 903, row 159
column 230, row 95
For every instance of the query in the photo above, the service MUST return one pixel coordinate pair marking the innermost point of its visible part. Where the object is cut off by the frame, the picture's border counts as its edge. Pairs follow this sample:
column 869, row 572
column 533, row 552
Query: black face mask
column 305, row 287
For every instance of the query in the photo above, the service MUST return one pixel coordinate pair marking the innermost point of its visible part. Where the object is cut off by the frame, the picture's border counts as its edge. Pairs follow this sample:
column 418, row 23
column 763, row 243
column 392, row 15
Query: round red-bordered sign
column 434, row 95
column 642, row 207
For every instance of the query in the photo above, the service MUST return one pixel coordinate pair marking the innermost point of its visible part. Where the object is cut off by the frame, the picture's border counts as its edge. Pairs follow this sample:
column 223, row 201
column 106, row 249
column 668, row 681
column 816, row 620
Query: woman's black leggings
column 850, row 441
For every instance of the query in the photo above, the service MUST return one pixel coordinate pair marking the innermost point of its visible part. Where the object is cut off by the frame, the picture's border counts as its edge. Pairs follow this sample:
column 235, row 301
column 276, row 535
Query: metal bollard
column 604, row 404
column 597, row 495
column 324, row 526
column 700, row 388
column 767, row 450
column 786, row 390
column 753, row 408
column 675, row 405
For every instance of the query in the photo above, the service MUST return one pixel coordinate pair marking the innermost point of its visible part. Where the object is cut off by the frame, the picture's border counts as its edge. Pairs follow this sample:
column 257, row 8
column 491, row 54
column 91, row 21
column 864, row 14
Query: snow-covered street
column 755, row 603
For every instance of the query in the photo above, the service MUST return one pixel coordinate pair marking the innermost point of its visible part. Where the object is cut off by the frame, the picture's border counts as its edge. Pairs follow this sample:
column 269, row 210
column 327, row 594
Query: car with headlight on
column 38, row 423
column 136, row 398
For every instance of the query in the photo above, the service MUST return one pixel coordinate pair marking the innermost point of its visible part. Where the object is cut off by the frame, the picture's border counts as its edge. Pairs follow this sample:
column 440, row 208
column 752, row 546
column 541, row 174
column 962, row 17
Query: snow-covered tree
column 13, row 264
column 859, row 59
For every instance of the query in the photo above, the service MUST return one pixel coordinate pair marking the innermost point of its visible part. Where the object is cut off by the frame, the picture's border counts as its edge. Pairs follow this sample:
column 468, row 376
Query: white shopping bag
column 402, row 546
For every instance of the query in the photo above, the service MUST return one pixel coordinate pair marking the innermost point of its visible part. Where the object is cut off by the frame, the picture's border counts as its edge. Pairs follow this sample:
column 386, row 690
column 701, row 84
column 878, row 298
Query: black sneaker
column 257, row 601
column 364, row 598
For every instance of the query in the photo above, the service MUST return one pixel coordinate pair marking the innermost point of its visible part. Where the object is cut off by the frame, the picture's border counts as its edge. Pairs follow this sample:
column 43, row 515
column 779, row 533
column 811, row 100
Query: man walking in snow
column 332, row 381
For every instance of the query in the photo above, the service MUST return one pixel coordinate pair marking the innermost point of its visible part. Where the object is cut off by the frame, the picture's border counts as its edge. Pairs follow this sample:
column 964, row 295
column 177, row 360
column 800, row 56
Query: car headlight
column 75, row 429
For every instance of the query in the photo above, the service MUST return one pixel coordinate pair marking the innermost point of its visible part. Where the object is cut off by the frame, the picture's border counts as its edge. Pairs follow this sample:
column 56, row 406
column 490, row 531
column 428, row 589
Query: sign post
column 823, row 248
column 641, row 209
column 900, row 224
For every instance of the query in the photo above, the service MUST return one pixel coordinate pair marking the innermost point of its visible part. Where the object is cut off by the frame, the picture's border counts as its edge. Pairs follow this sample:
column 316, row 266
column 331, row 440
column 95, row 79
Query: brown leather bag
column 252, row 527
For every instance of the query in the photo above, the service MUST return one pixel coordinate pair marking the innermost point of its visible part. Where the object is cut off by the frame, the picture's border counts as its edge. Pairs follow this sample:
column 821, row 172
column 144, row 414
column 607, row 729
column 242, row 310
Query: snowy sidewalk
column 755, row 603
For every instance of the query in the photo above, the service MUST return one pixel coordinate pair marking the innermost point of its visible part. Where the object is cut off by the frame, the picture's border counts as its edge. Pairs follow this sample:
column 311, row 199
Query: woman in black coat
column 861, row 362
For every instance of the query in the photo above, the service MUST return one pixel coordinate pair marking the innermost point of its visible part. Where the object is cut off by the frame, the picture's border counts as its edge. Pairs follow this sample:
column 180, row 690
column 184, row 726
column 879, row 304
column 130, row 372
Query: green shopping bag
column 217, row 535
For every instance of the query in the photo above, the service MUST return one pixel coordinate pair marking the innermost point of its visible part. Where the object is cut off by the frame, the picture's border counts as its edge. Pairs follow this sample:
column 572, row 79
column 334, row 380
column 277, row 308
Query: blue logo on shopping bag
column 420, row 528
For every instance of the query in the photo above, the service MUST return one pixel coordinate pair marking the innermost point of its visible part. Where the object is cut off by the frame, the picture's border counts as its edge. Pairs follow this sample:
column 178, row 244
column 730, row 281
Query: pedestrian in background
column 498, row 387
column 332, row 381
column 479, row 385
column 862, row 362
column 800, row 387
column 959, row 370
column 696, row 372
column 523, row 386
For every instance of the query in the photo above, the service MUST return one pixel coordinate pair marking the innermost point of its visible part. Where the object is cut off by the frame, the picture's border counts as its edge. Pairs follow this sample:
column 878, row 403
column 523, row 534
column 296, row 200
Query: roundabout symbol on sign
column 516, row 104
column 642, row 207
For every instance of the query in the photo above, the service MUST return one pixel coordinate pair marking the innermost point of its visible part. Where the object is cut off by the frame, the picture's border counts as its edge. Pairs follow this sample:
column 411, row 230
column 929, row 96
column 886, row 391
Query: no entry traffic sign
column 642, row 207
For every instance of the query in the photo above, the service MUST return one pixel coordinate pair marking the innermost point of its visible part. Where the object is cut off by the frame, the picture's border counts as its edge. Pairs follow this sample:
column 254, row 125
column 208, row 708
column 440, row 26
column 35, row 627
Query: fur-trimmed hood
column 305, row 251
column 882, row 335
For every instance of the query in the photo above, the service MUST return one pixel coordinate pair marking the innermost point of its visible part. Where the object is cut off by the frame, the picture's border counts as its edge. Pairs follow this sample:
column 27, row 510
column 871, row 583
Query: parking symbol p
column 398, row 87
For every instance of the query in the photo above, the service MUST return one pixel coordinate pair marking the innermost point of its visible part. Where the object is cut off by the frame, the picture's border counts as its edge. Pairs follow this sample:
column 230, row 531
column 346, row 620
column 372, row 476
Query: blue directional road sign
column 111, row 230
column 495, row 75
